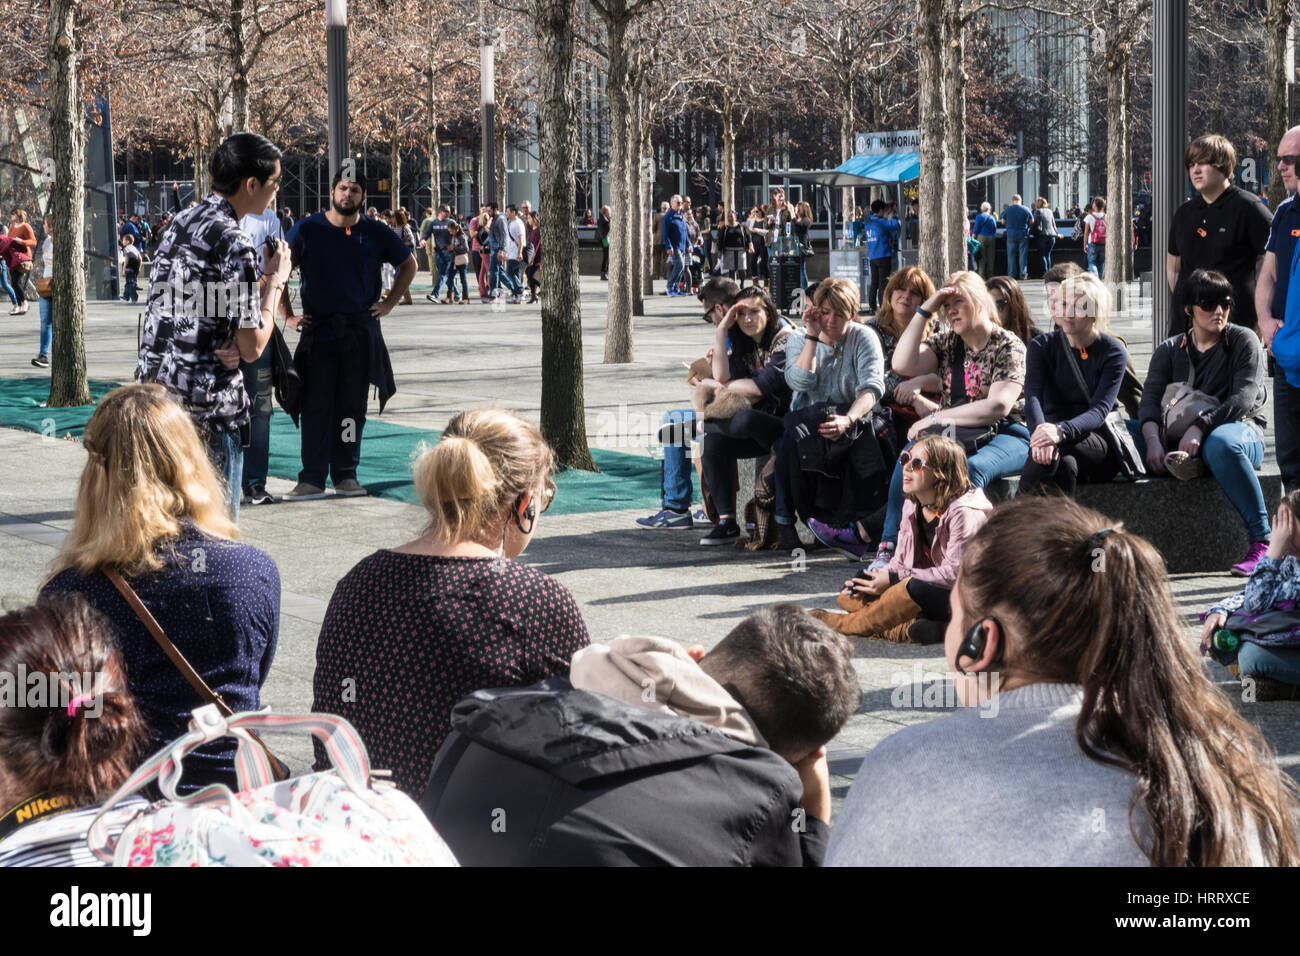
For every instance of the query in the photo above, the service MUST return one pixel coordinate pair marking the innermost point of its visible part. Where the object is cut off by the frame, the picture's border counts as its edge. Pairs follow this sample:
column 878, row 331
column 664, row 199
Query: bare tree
column 1277, row 29
column 563, row 415
column 68, row 385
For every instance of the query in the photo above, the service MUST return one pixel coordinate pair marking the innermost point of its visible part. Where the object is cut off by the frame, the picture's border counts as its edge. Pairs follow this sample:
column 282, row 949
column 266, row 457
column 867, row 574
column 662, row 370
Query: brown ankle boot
column 892, row 608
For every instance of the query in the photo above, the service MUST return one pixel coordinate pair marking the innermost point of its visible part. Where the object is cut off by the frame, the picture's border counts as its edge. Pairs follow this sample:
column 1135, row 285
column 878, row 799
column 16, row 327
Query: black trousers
column 935, row 602
column 604, row 261
column 333, row 404
column 748, row 434
column 879, row 279
column 1089, row 460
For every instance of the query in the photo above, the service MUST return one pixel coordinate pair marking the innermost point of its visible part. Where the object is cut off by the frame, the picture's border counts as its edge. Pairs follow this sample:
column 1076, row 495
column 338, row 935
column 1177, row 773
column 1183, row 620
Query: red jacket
column 957, row 526
column 13, row 251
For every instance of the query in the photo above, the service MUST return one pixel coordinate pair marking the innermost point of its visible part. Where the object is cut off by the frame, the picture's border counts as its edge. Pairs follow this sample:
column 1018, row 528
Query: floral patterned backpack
column 334, row 818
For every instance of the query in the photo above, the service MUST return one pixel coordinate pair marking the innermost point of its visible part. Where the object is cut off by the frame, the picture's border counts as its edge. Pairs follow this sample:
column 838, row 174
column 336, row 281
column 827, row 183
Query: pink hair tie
column 77, row 702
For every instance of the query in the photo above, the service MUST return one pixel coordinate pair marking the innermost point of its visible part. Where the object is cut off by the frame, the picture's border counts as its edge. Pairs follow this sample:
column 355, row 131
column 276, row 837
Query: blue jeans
column 512, row 276
column 1004, row 456
column 496, row 271
column 675, row 431
column 226, row 452
column 1017, row 257
column 442, row 262
column 1097, row 259
column 1286, row 428
column 4, row 283
column 1232, row 454
column 1045, row 246
column 47, row 325
column 676, row 266
column 131, row 293
column 259, row 386
column 1278, row 663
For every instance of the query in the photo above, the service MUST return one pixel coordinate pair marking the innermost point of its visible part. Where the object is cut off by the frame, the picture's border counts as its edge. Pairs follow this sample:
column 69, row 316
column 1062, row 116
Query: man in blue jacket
column 1277, row 308
column 881, row 234
column 676, row 242
column 985, row 231
column 1017, row 218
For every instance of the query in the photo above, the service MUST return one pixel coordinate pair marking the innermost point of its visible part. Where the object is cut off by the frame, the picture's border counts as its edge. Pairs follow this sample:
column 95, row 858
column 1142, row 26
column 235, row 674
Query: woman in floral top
column 988, row 392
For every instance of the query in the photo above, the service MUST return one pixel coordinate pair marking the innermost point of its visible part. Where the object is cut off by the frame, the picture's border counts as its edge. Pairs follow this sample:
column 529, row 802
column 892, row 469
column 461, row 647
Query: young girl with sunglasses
column 907, row 601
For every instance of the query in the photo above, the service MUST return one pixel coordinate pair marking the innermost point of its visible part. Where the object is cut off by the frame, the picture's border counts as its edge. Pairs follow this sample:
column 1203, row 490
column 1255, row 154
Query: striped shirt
column 60, row 840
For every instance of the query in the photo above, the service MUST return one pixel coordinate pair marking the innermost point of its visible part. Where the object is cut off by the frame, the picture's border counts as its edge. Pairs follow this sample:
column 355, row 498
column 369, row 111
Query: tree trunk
column 503, row 194
column 129, row 179
column 848, row 120
column 431, row 116
column 618, row 318
column 646, row 195
column 1119, row 223
column 395, row 173
column 68, row 384
column 200, row 161
column 636, row 225
column 238, row 76
column 1276, row 26
column 933, row 248
column 954, row 170
column 728, row 151
column 563, row 415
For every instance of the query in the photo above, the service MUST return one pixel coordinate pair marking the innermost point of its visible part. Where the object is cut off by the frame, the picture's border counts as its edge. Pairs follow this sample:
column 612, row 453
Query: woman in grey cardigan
column 1109, row 744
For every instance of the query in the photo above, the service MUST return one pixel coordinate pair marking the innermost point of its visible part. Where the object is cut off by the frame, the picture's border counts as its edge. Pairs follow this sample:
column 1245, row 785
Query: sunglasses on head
column 1211, row 302
column 909, row 461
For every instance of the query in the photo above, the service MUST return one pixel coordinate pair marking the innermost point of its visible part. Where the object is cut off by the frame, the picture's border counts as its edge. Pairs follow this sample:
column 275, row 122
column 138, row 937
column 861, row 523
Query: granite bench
column 1191, row 523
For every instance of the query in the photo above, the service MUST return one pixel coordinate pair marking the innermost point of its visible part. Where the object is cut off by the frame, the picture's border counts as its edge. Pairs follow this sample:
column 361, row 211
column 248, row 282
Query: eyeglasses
column 1210, row 303
column 908, row 461
column 548, row 496
column 274, row 181
column 1001, row 304
column 1289, row 160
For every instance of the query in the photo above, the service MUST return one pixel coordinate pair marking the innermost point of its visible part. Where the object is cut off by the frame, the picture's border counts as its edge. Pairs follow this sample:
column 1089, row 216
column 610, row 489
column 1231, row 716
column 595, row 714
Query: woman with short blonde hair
column 151, row 510
column 1067, row 444
column 412, row 630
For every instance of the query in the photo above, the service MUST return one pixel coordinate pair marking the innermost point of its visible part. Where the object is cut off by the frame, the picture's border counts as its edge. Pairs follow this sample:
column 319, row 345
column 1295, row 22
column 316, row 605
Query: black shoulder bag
column 971, row 437
column 1113, row 429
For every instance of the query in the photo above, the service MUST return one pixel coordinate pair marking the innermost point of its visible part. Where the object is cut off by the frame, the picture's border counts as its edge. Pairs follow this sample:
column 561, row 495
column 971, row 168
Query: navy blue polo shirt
column 1017, row 218
column 341, row 268
column 1281, row 242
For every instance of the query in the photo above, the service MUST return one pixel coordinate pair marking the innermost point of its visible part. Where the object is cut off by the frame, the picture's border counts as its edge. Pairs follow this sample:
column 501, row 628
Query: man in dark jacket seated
column 651, row 755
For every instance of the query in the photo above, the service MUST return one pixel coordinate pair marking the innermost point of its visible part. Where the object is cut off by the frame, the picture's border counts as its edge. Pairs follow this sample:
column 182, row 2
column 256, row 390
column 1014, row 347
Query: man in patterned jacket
column 207, row 309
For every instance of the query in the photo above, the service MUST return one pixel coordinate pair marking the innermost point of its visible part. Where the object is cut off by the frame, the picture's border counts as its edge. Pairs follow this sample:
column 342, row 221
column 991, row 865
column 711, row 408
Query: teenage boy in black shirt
column 342, row 352
column 1224, row 228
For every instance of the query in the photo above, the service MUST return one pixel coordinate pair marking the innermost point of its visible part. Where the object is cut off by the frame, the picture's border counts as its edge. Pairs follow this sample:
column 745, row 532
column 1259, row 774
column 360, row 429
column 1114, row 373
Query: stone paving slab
column 625, row 580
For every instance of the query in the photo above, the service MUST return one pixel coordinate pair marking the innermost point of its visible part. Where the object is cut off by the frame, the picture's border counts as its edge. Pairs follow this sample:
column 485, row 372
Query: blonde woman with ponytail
column 412, row 630
column 151, row 507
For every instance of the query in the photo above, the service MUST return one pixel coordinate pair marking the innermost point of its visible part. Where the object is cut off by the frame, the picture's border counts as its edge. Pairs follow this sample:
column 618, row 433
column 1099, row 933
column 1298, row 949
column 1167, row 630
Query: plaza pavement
column 626, row 581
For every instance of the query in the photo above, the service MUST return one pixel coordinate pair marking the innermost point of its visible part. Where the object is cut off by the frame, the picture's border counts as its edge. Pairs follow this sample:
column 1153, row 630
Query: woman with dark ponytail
column 412, row 630
column 1110, row 745
column 70, row 733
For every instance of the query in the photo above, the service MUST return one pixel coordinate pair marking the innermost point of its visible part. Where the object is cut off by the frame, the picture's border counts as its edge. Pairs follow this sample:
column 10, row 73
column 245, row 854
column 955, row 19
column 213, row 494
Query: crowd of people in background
column 474, row 678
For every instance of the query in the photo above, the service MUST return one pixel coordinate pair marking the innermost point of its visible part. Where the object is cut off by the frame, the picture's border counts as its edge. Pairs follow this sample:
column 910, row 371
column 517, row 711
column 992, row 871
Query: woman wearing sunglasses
column 412, row 630
column 1216, row 371
column 1012, row 311
column 907, row 602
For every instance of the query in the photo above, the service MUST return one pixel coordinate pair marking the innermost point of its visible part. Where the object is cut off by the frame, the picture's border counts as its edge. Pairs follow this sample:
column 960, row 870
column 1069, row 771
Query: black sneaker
column 724, row 533
column 258, row 495
column 41, row 361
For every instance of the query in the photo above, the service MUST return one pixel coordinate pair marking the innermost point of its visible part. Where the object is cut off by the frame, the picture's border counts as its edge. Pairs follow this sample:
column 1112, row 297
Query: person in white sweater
column 1090, row 737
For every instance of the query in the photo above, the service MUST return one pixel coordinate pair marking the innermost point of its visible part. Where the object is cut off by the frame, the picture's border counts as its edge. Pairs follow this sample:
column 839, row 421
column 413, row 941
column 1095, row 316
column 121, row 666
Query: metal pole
column 1169, row 140
column 487, row 83
column 336, row 71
